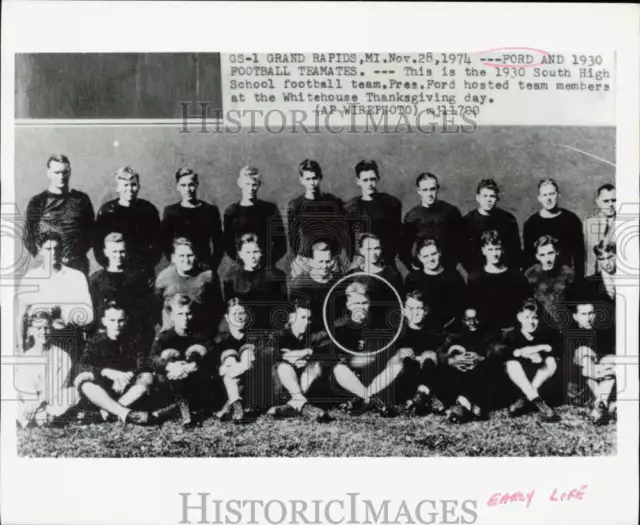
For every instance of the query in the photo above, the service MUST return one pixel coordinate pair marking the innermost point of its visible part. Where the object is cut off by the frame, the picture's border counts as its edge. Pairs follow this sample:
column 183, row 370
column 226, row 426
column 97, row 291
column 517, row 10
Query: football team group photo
column 320, row 309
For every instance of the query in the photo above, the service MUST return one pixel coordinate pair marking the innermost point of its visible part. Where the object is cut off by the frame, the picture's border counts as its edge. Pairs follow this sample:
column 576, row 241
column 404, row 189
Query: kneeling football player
column 363, row 369
column 181, row 357
column 114, row 371
column 298, row 368
column 527, row 355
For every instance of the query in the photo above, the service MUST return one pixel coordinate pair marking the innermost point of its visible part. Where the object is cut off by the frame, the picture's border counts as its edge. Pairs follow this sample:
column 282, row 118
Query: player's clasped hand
column 180, row 370
column 120, row 379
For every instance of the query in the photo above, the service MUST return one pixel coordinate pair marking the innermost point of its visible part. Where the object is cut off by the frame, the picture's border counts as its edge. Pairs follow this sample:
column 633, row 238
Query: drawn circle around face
column 326, row 324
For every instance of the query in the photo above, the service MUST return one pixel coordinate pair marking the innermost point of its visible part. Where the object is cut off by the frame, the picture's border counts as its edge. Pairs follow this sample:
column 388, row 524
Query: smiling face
column 428, row 191
column 547, row 255
column 487, row 199
column 368, row 182
column 128, row 189
column 58, row 174
column 548, row 196
column 470, row 319
column 187, row 187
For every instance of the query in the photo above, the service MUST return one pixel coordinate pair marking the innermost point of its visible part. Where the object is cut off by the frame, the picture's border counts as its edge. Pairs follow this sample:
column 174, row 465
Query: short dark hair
column 47, row 236
column 488, row 184
column 179, row 300
column 320, row 246
column 550, row 181
column 366, row 236
column 604, row 247
column 367, row 165
column 605, row 187
column 423, row 243
column 310, row 165
column 530, row 305
column 247, row 238
column 426, row 176
column 544, row 240
column 490, row 238
column 58, row 157
column 184, row 172
column 233, row 301
column 111, row 304
column 299, row 303
column 415, row 294
column 181, row 241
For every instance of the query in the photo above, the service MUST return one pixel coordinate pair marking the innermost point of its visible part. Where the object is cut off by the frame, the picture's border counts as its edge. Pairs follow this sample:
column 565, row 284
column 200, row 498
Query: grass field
column 364, row 435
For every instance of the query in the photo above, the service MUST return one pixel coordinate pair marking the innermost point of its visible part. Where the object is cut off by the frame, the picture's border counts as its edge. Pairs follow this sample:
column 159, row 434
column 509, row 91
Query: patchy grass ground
column 364, row 435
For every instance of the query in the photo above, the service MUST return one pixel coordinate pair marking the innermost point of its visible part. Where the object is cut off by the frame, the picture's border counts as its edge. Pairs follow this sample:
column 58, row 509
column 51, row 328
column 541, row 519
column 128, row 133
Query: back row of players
column 456, row 341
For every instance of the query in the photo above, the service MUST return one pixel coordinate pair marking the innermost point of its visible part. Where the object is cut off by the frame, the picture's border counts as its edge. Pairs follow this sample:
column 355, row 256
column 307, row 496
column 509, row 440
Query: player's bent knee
column 145, row 379
column 170, row 354
column 195, row 351
column 581, row 353
column 82, row 378
column 405, row 353
column 551, row 364
column 513, row 367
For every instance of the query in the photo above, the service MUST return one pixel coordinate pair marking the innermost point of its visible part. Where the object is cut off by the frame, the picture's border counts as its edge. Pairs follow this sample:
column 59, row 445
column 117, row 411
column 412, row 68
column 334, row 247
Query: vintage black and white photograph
column 194, row 291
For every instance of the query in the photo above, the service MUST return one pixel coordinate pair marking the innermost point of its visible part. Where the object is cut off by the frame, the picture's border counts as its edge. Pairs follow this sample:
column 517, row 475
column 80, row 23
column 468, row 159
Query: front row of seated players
column 458, row 369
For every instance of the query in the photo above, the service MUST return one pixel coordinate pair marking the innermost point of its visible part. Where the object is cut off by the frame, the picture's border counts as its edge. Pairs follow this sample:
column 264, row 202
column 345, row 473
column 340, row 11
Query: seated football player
column 58, row 289
column 44, row 388
column 590, row 358
column 114, row 371
column 237, row 359
column 417, row 339
column 185, row 276
column 551, row 283
column 365, row 369
column 497, row 290
column 260, row 289
column 443, row 289
column 181, row 357
column 298, row 367
column 120, row 283
column 465, row 369
column 527, row 354
column 313, row 286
